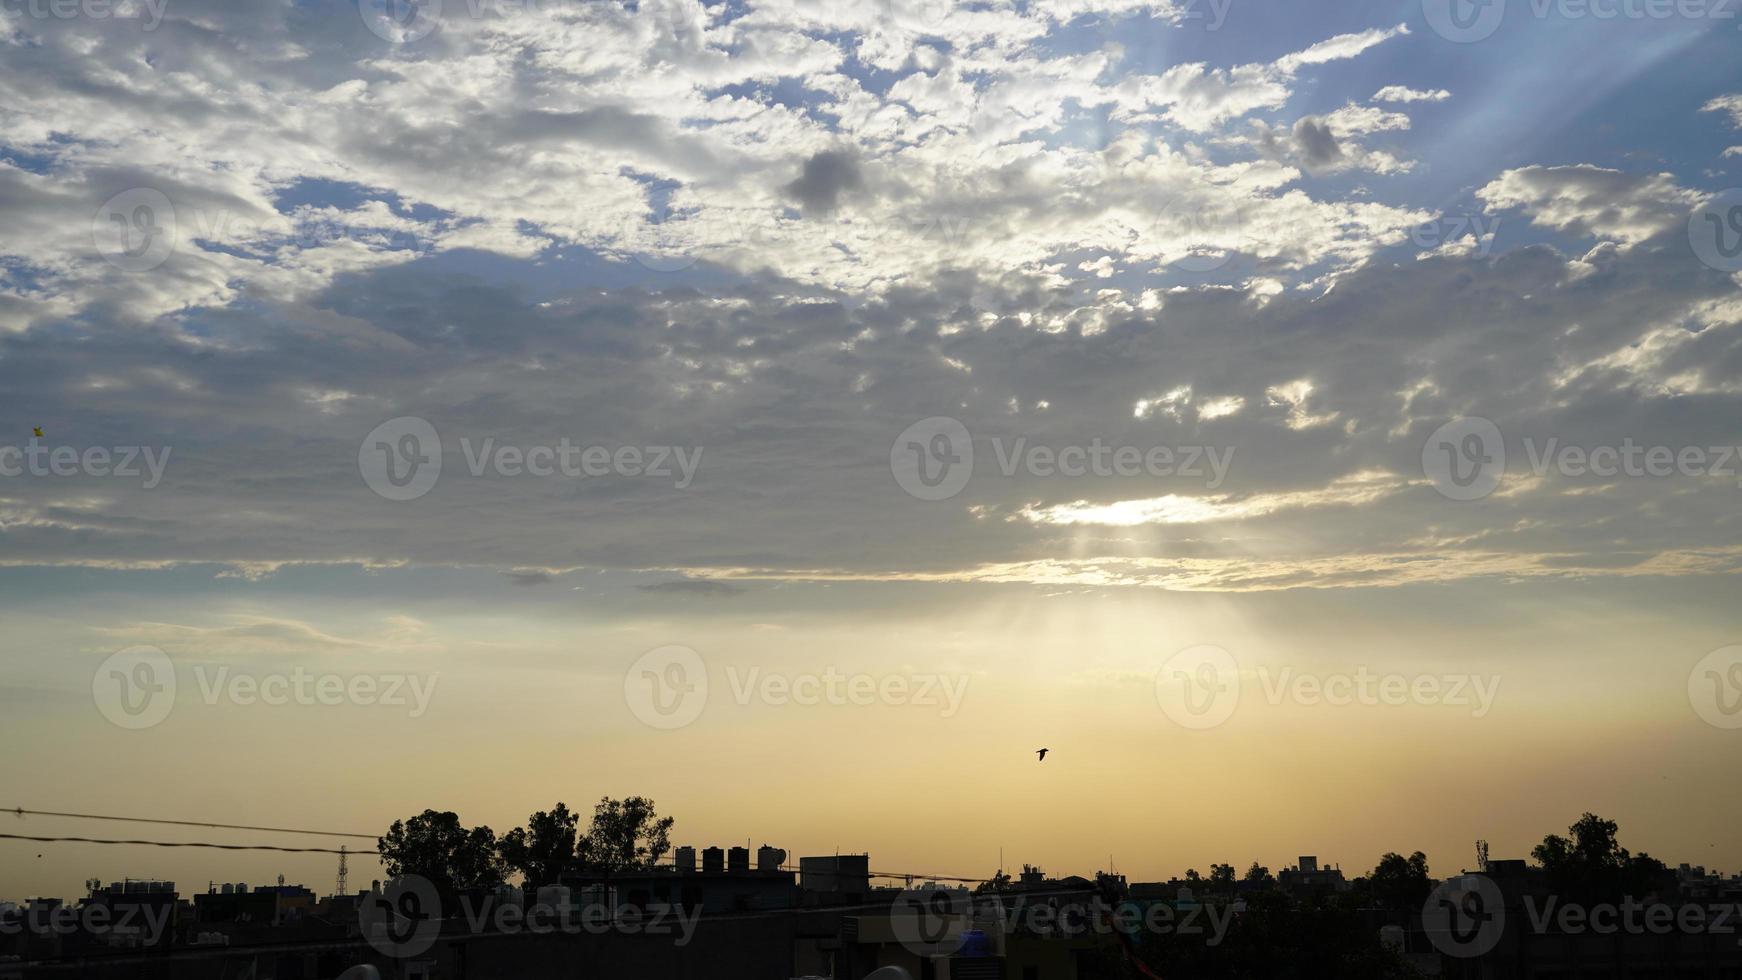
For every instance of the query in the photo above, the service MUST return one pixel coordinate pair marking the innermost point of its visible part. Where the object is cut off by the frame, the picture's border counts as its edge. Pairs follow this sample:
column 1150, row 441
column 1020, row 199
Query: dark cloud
column 795, row 400
column 827, row 176
column 1316, row 143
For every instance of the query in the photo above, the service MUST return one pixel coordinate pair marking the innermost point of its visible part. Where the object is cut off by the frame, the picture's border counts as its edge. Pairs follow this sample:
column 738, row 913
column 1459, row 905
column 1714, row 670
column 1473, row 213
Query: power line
column 163, row 843
column 21, row 812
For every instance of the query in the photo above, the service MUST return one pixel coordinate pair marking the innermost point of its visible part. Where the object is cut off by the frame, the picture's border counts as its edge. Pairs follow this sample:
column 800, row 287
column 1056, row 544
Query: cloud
column 1356, row 489
column 661, row 133
column 1403, row 93
column 693, row 586
column 795, row 398
column 778, row 233
column 1339, row 48
column 1590, row 200
column 1346, row 571
column 1318, row 147
column 254, row 636
column 827, row 177
column 1731, row 104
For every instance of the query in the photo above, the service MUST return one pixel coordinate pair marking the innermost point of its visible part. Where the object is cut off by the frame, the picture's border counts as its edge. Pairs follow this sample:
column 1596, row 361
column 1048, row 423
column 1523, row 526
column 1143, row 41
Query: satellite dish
column 889, row 973
column 362, row 971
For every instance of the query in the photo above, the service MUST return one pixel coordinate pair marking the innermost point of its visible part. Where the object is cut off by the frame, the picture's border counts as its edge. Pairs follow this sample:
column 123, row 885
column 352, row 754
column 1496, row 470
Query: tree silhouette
column 1400, row 883
column 437, row 847
column 1222, row 878
column 625, row 835
column 999, row 882
column 1590, row 865
column 544, row 848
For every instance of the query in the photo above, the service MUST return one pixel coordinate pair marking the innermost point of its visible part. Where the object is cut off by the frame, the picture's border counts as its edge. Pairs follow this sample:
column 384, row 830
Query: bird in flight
column 1042, row 753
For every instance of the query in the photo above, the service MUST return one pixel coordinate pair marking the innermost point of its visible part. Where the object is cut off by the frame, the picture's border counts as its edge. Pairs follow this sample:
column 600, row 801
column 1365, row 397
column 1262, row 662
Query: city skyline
column 598, row 886
column 675, row 853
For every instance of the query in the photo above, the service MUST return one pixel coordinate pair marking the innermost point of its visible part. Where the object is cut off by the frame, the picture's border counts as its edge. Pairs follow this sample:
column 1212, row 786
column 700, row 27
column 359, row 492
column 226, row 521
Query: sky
column 1314, row 423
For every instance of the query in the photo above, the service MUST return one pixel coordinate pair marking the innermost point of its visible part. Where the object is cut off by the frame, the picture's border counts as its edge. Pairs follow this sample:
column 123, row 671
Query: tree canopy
column 626, row 835
column 1589, row 864
column 999, row 882
column 437, row 847
column 1400, row 883
column 623, row 835
column 545, row 848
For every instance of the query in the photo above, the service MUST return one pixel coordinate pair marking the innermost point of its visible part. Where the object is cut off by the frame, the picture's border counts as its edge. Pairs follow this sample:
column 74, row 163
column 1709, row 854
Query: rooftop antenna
column 1482, row 855
column 343, row 871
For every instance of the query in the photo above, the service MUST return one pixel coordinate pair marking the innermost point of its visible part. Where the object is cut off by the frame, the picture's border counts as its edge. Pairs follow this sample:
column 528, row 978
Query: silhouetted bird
column 1042, row 753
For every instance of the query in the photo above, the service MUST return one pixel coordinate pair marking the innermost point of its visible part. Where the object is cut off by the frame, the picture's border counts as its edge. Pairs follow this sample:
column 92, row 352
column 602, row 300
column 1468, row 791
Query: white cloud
column 1295, row 396
column 1731, row 104
column 1403, row 93
column 1356, row 489
column 1590, row 200
column 1223, row 407
column 1339, row 48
